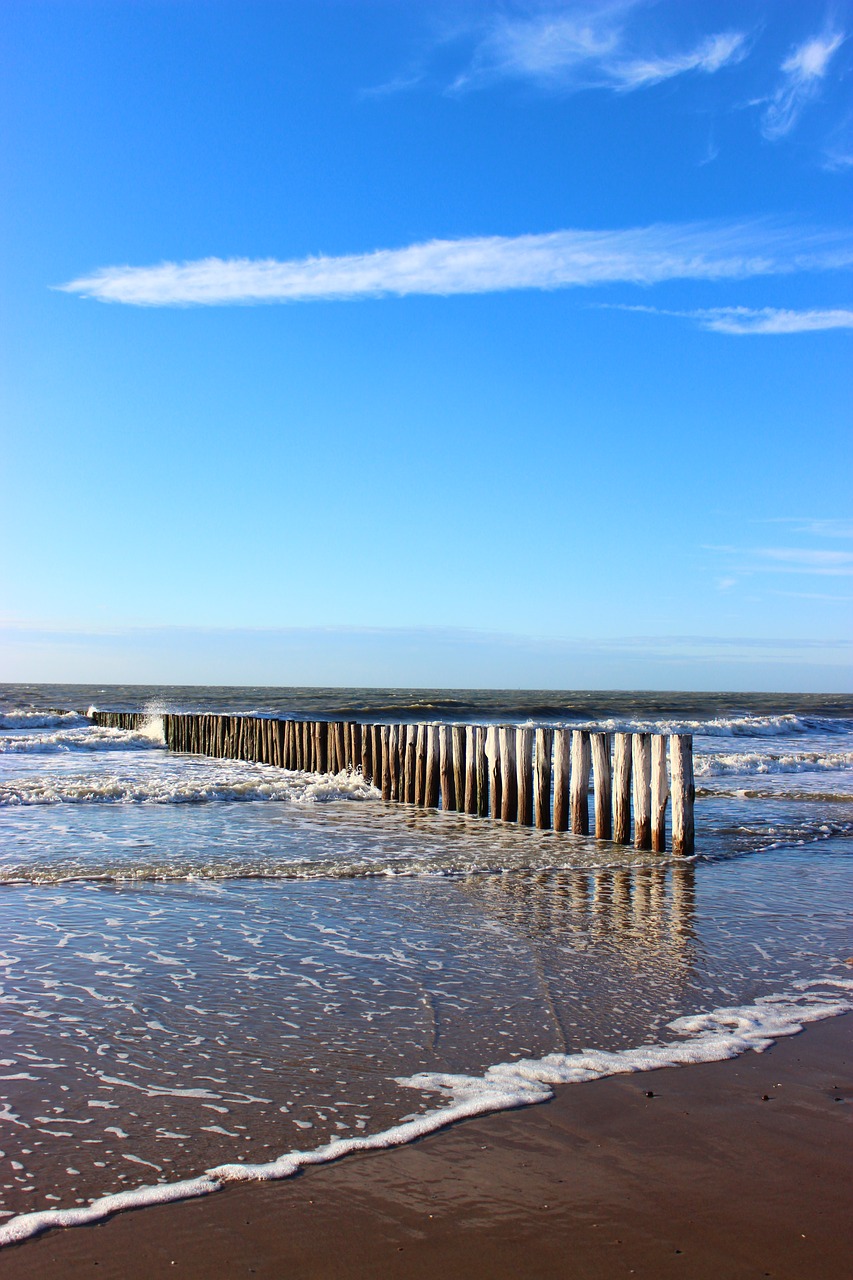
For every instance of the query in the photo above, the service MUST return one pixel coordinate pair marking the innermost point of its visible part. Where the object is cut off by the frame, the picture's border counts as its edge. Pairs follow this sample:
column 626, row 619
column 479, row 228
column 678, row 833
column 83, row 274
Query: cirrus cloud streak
column 758, row 320
column 481, row 264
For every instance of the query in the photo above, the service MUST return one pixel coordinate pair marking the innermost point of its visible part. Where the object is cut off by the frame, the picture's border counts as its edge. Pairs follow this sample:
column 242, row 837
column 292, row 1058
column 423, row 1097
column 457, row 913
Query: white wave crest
column 29, row 718
column 705, row 1037
column 88, row 739
column 248, row 783
column 755, row 763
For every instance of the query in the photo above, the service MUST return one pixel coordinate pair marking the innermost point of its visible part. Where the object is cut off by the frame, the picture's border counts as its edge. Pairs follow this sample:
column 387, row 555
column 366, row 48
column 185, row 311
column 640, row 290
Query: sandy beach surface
column 738, row 1168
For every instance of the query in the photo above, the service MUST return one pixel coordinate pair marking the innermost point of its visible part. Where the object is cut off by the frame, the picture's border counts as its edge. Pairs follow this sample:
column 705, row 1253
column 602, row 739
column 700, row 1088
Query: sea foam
column 704, row 1037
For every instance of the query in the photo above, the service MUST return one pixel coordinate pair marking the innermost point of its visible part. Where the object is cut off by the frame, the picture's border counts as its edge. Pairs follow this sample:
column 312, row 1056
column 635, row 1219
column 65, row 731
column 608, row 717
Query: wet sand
column 733, row 1169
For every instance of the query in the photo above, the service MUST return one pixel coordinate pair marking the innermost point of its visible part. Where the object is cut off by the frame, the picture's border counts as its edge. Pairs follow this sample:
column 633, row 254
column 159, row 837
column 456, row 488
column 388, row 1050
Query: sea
column 217, row 971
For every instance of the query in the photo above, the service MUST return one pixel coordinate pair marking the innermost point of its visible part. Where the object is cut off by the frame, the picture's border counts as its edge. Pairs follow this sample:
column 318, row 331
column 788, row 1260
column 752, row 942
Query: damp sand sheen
column 218, row 971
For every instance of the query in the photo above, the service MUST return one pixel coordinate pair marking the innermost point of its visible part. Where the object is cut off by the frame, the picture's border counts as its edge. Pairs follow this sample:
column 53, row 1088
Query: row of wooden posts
column 534, row 776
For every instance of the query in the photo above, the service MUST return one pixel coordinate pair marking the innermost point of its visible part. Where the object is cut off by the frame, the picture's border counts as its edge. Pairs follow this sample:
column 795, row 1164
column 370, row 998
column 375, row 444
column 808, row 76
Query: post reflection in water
column 599, row 937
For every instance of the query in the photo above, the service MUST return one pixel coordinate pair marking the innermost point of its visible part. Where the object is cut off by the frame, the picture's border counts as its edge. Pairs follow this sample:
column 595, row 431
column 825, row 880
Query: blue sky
column 401, row 343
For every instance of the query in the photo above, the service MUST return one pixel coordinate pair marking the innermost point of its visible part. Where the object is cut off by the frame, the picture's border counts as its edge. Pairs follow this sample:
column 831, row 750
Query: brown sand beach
column 733, row 1169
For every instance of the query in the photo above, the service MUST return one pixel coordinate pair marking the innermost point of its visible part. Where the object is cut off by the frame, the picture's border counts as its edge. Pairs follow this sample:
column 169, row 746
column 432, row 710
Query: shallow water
column 209, row 962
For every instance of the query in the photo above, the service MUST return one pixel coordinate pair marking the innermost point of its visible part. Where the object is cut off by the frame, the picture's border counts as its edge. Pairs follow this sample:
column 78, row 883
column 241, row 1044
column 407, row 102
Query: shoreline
column 742, row 1163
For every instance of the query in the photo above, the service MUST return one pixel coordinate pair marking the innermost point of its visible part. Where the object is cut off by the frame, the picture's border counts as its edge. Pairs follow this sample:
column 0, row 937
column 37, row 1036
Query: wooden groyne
column 533, row 776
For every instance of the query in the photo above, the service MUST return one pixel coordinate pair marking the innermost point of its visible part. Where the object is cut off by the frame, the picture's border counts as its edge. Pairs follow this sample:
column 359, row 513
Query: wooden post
column 459, row 757
column 394, row 761
column 420, row 765
column 355, row 745
column 581, row 758
column 641, row 761
column 470, row 768
column 482, row 773
column 562, row 757
column 377, row 756
column 402, row 747
column 432, row 789
column 683, row 793
column 509, row 774
column 524, row 773
column 411, row 761
column 493, row 749
column 622, row 788
column 600, row 743
column 367, row 752
column 340, row 746
column 385, row 740
column 544, row 738
column 660, row 792
column 322, row 747
column 448, row 795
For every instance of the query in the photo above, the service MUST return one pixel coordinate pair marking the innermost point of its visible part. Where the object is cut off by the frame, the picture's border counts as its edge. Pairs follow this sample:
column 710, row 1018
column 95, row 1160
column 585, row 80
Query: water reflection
column 646, row 915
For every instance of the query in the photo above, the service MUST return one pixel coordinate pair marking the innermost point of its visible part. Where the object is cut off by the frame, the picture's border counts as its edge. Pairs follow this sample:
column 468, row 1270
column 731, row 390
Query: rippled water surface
column 208, row 961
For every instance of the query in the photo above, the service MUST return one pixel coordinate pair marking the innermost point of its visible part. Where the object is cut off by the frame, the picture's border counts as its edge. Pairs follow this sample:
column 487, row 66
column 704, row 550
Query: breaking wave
column 250, row 783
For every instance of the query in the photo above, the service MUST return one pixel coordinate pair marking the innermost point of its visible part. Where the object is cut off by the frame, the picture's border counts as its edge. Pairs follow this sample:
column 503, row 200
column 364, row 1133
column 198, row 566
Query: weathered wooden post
column 385, row 743
column 470, row 805
column 394, row 761
column 411, row 762
column 683, row 793
column 482, row 772
column 544, row 739
column 660, row 792
column 432, row 767
column 509, row 774
column 641, row 761
column 340, row 746
column 448, row 798
column 367, row 752
column 524, row 773
column 600, row 743
column 459, row 766
column 493, row 749
column 377, row 756
column 622, row 788
column 581, row 759
column 562, row 758
column 421, row 765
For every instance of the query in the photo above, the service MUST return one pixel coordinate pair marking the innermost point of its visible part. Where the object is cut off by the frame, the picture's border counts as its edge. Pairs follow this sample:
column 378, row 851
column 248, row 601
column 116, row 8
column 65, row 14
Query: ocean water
column 216, row 970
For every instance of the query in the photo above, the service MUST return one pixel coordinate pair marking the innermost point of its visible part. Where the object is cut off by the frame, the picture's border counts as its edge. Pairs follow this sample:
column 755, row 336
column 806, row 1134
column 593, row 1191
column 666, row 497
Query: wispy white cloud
column 760, row 320
column 807, row 561
column 803, row 72
column 588, row 46
column 816, row 526
column 710, row 55
column 483, row 264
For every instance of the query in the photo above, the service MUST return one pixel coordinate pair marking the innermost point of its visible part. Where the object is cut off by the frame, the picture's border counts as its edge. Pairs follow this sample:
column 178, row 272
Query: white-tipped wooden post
column 683, row 793
column 493, row 756
column 482, row 772
column 660, row 792
column 600, row 744
column 622, row 788
column 509, row 776
column 385, row 742
column 544, row 739
column 394, row 761
column 470, row 768
column 562, row 769
column 524, row 773
column 411, row 761
column 445, row 739
column 420, row 765
column 367, row 752
column 433, row 788
column 459, row 767
column 641, row 763
column 579, row 793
